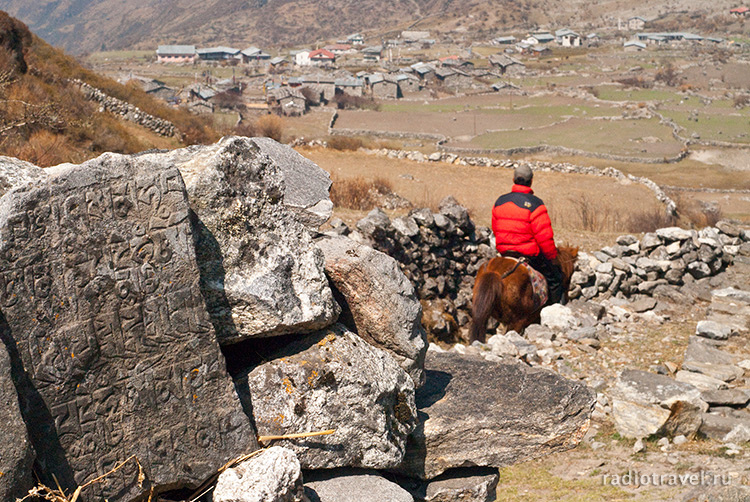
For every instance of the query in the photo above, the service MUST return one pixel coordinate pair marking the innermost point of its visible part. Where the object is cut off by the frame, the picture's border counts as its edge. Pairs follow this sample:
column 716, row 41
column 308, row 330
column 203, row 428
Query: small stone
column 679, row 440
column 713, row 330
column 638, row 446
column 701, row 382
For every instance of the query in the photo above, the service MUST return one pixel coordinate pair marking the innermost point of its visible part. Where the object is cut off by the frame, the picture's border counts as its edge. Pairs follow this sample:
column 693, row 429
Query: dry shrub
column 639, row 82
column 668, row 75
column 270, row 126
column 359, row 193
column 741, row 100
column 698, row 214
column 349, row 102
column 591, row 216
column 344, row 143
column 648, row 221
column 43, row 148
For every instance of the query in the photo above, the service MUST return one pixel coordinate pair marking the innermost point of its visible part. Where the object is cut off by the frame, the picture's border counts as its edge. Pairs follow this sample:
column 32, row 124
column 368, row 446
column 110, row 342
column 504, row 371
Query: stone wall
column 127, row 111
column 441, row 253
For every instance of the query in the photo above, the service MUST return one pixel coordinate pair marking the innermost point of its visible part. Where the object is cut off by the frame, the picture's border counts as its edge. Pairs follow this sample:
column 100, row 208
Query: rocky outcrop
column 333, row 380
column 261, row 274
column 15, row 172
column 99, row 290
column 274, row 475
column 379, row 301
column 479, row 413
column 16, row 452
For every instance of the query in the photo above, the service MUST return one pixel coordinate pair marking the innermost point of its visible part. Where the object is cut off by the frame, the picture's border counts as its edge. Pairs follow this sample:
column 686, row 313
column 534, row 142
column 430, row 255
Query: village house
column 324, row 83
column 278, row 63
column 254, row 55
column 218, row 53
column 407, row 83
column 739, row 11
column 322, row 57
column 508, row 66
column 425, row 72
column 509, row 40
column 455, row 79
column 286, row 101
column 176, row 54
column 355, row 39
column 539, row 38
column 372, row 54
column 539, row 50
column 592, row 40
column 636, row 23
column 338, row 49
column 301, row 57
column 383, row 87
column 568, row 38
column 634, row 46
column 349, row 86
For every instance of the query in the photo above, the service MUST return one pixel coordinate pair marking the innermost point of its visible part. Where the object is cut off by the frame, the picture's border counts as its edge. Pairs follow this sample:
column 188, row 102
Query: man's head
column 523, row 175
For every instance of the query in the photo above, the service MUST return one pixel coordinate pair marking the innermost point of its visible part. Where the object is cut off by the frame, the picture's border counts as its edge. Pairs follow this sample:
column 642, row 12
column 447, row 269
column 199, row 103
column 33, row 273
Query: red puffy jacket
column 521, row 223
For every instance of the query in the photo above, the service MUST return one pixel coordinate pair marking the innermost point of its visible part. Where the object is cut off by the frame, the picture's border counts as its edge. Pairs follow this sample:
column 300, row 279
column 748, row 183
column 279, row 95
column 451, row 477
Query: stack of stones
column 441, row 252
column 668, row 257
column 126, row 110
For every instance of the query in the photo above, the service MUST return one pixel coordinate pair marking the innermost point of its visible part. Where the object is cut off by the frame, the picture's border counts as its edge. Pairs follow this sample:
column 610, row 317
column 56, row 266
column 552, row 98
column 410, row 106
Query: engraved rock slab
column 16, row 453
column 261, row 274
column 99, row 291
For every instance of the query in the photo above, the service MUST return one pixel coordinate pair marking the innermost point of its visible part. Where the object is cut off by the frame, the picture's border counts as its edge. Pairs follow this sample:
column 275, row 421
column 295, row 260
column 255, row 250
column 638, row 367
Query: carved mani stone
column 100, row 304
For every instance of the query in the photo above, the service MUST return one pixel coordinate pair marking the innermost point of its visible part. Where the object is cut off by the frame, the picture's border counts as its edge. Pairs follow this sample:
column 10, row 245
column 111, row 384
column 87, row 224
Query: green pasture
column 622, row 137
column 612, row 93
column 732, row 128
column 121, row 56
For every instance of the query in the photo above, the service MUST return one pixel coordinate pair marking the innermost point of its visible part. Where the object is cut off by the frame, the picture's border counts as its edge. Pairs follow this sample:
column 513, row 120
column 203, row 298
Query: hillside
column 93, row 25
column 46, row 120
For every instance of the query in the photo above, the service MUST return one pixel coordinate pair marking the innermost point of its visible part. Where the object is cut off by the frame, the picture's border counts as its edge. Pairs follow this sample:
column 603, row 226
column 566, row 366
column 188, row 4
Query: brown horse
column 503, row 290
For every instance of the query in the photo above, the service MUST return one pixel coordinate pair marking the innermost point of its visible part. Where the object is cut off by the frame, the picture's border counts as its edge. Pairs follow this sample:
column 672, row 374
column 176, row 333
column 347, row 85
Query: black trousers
column 550, row 270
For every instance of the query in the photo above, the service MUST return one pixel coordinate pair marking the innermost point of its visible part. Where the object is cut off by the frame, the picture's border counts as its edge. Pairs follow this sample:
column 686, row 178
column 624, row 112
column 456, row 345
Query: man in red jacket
column 522, row 228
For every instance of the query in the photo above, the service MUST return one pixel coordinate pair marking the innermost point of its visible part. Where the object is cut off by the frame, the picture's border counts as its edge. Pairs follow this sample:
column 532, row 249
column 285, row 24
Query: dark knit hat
column 523, row 175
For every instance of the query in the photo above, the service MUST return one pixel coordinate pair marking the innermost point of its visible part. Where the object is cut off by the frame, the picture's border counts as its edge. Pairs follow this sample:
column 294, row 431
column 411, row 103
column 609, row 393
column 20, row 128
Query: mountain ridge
column 81, row 26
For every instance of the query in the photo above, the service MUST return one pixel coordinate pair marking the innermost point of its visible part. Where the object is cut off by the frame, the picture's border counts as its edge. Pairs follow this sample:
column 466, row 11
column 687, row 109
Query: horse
column 503, row 290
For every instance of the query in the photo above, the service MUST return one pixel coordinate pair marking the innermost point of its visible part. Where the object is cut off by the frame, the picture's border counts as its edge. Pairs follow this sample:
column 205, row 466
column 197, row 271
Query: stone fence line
column 128, row 111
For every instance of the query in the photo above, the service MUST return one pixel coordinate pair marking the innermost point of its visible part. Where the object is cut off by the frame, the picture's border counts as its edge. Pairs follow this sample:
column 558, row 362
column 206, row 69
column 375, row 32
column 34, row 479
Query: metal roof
column 182, row 50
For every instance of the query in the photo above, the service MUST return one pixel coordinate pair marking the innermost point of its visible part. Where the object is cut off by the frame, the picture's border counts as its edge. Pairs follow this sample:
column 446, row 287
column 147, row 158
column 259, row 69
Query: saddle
column 537, row 279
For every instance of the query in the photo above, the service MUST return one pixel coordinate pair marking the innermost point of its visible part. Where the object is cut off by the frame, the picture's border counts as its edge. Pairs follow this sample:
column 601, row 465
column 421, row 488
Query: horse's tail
column 487, row 294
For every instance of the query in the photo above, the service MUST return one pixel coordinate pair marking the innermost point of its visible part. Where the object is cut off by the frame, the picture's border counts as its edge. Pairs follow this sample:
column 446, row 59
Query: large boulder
column 347, row 485
column 261, row 274
column 645, row 403
column 16, row 452
column 333, row 380
column 470, row 484
column 99, row 290
column 379, row 301
column 479, row 413
column 15, row 172
column 274, row 475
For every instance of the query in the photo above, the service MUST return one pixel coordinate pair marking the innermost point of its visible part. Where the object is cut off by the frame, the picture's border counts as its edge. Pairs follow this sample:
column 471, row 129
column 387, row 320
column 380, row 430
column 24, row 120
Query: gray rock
column 15, row 172
column 644, row 404
column 732, row 293
column 670, row 234
column 261, row 274
column 723, row 372
column 274, row 475
column 501, row 346
column 698, row 269
column 525, row 349
column 406, row 225
column 558, row 317
column 728, row 228
column 333, row 380
column 582, row 333
column 643, row 304
column 712, row 330
column 100, row 293
column 16, row 452
column 650, row 241
column 347, row 485
column 459, row 215
column 724, row 428
column 477, row 484
column 306, row 185
column 478, row 413
column 380, row 299
column 701, row 352
column 700, row 381
column 727, row 397
column 626, row 240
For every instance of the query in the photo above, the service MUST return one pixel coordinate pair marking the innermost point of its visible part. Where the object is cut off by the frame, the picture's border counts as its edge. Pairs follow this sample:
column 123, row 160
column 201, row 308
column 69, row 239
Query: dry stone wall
column 441, row 253
column 127, row 111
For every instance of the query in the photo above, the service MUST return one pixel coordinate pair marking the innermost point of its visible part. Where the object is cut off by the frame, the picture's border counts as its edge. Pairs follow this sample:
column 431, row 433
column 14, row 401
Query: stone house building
column 383, row 87
column 507, row 65
column 287, row 101
column 636, row 23
column 176, row 54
